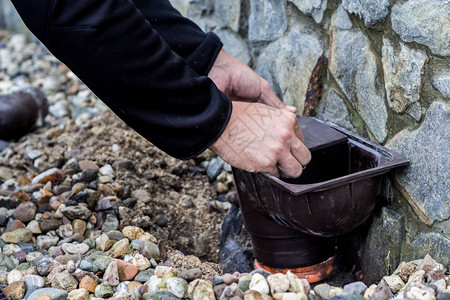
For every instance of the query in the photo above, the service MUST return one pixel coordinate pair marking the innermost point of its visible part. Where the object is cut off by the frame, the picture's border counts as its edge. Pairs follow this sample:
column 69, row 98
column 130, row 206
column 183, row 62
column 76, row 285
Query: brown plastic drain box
column 292, row 221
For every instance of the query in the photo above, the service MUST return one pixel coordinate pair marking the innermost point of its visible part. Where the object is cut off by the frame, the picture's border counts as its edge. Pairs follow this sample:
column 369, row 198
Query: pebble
column 25, row 212
column 190, row 274
column 43, row 242
column 65, row 231
column 394, row 282
column 18, row 235
column 34, row 227
column 259, row 284
column 229, row 279
column 10, row 249
column 322, row 290
column 88, row 283
column 126, row 270
column 144, row 276
column 290, row 296
column 103, row 291
column 33, row 280
column 16, row 290
column 78, row 294
column 201, row 289
column 49, row 225
column 231, row 291
column 75, row 248
column 76, row 212
column 141, row 262
column 111, row 276
column 278, row 283
column 120, row 249
column 357, row 288
column 244, row 282
column 151, row 250
column 255, row 295
column 98, row 260
column 53, row 294
column 141, row 195
column 178, row 287
column 103, row 243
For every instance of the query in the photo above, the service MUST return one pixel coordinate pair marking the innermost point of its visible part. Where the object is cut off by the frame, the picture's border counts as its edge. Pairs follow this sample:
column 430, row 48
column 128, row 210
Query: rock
column 78, row 294
column 103, row 204
column 347, row 297
column 357, row 288
column 394, row 282
column 255, row 295
column 49, row 225
column 64, row 281
column 46, row 241
column 75, row 248
column 79, row 226
column 218, row 290
column 422, row 178
column 178, row 287
column 13, row 225
column 76, row 212
column 190, row 274
column 314, row 8
column 120, row 249
column 111, row 276
column 99, row 261
column 144, row 276
column 16, row 290
column 434, row 243
column 441, row 81
column 372, row 12
column 132, row 232
column 232, row 291
column 333, row 109
column 103, row 291
column 103, row 243
column 25, row 212
column 403, row 72
column 382, row 292
column 87, row 164
column 34, row 227
column 244, row 282
column 18, row 235
column 322, row 290
column 88, row 283
column 141, row 262
column 14, row 275
column 295, row 283
column 153, row 283
column 420, row 292
column 259, row 284
column 126, row 270
column 278, row 283
column 53, row 175
column 151, row 250
column 443, row 296
column 356, row 71
column 227, row 14
column 428, row 264
column 200, row 289
column 159, row 295
column 33, row 280
column 232, row 42
column 424, row 22
column 141, row 195
column 290, row 296
column 53, row 294
column 267, row 20
column 288, row 63
column 65, row 231
column 404, row 270
column 370, row 291
column 111, row 223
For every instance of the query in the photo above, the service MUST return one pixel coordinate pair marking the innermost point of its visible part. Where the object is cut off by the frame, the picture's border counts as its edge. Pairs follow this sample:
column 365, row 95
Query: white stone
column 373, row 12
column 259, row 284
column 14, row 275
column 153, row 283
column 314, row 8
column 31, row 280
column 177, row 286
column 141, row 262
column 290, row 296
column 106, row 170
column 75, row 248
column 278, row 283
column 394, row 282
column 111, row 276
column 267, row 20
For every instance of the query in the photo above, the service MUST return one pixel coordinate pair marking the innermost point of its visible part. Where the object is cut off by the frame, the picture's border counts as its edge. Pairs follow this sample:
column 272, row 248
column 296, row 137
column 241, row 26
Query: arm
column 119, row 56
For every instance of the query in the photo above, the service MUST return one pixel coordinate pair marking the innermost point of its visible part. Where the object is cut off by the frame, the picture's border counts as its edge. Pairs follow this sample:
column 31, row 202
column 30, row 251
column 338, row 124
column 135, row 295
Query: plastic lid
column 318, row 135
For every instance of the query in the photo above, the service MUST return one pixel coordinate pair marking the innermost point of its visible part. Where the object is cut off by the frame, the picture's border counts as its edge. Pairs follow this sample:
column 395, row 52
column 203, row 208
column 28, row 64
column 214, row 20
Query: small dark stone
column 161, row 220
column 232, row 197
column 2, row 219
column 26, row 247
column 80, row 197
column 8, row 203
column 88, row 175
column 44, row 265
column 174, row 184
column 59, row 189
column 129, row 202
column 126, row 191
column 103, row 204
column 93, row 185
column 124, row 165
column 70, row 202
column 50, row 224
column 348, row 297
column 222, row 197
column 44, row 207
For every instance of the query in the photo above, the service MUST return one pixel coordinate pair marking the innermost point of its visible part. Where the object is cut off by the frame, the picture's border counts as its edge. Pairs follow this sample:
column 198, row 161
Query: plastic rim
column 314, row 273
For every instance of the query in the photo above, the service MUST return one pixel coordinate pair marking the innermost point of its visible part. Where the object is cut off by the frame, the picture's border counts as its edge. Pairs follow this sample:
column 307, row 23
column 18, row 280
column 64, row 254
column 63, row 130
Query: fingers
column 289, row 167
column 298, row 132
column 301, row 153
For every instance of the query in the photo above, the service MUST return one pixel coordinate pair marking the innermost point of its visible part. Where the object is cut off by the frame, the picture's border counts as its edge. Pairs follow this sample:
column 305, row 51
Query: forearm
column 125, row 62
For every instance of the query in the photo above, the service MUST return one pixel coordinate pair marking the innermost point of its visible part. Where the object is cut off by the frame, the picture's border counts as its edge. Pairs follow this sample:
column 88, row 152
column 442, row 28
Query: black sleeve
column 111, row 47
column 197, row 48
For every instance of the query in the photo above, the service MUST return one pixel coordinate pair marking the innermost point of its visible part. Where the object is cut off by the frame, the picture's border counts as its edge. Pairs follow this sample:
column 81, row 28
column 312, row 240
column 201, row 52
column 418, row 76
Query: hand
column 260, row 138
column 240, row 83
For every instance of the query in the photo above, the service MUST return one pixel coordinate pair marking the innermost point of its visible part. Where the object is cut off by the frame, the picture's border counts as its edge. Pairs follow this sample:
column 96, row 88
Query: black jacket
column 144, row 60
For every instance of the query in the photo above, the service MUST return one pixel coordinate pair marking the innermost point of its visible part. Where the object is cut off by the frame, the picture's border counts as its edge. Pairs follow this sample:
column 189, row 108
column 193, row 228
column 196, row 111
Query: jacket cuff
column 203, row 58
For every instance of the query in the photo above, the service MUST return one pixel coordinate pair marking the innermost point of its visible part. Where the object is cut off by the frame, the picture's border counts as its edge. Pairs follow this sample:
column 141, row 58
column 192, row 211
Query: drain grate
column 3, row 295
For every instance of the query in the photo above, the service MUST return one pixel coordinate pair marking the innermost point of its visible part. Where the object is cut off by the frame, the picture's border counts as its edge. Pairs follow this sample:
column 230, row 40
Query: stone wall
column 380, row 68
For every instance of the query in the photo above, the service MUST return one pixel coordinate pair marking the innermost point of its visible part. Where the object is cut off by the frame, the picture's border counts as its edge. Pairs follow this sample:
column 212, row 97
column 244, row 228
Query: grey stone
column 88, row 266
column 424, row 183
column 160, row 295
column 214, row 167
column 234, row 44
column 150, row 250
column 333, row 109
column 267, row 20
column 34, row 280
column 322, row 290
column 357, row 287
column 144, row 276
column 441, row 81
column 403, row 72
column 424, row 22
column 103, row 291
column 372, row 12
column 415, row 110
column 435, row 244
column 385, row 234
column 55, row 294
column 287, row 65
column 228, row 13
column 101, row 261
column 355, row 69
column 111, row 223
column 18, row 235
column 76, row 212
column 314, row 8
column 46, row 241
column 347, row 297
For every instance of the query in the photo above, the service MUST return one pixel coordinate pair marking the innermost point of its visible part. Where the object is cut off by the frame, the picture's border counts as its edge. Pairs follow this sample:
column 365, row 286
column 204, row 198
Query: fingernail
column 291, row 108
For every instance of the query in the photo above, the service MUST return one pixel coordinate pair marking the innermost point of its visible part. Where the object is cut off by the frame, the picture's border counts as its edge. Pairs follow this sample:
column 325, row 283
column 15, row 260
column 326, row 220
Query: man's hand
column 260, row 138
column 241, row 83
